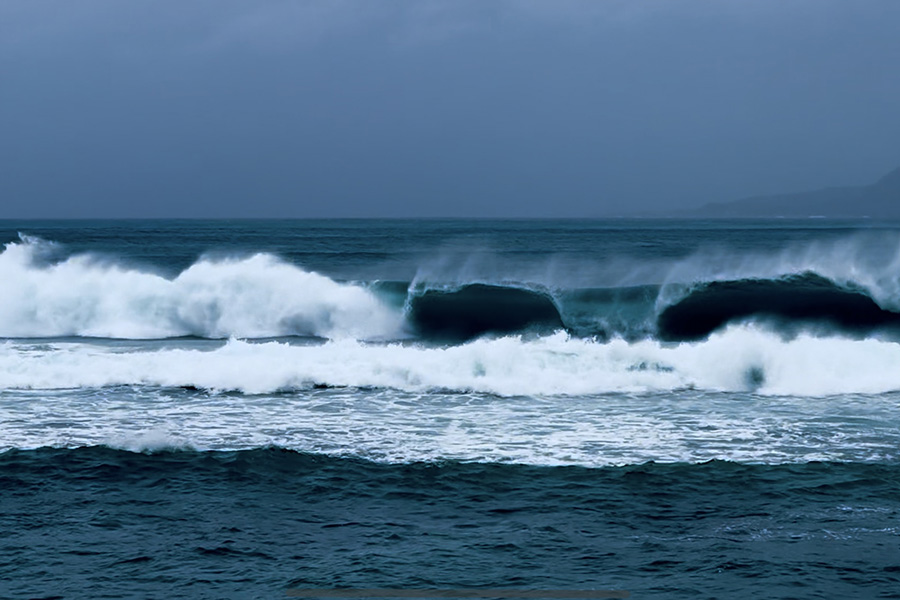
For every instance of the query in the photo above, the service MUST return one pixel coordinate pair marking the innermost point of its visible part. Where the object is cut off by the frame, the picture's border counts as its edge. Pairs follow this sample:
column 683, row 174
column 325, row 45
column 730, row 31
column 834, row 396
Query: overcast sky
column 492, row 108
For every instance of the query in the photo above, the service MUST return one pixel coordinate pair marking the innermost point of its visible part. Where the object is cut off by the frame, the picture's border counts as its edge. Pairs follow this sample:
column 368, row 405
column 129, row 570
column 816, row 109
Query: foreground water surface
column 209, row 409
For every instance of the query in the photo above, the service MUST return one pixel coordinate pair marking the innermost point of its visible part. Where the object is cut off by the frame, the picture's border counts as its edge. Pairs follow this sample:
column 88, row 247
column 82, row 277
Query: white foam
column 396, row 426
column 148, row 440
column 263, row 296
column 738, row 359
column 259, row 296
column 547, row 401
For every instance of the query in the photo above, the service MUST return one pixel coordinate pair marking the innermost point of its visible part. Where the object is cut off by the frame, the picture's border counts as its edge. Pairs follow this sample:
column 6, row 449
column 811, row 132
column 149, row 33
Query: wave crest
column 262, row 296
column 254, row 297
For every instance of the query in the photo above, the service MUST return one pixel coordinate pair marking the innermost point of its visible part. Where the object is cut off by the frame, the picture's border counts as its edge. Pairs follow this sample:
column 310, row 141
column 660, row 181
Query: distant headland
column 878, row 200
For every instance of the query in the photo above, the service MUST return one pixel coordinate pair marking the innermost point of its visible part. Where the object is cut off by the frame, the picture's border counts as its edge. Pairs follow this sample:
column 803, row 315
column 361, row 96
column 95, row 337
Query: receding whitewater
column 230, row 409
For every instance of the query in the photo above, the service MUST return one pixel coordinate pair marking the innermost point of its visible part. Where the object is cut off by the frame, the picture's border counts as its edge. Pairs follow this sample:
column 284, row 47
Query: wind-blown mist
column 844, row 286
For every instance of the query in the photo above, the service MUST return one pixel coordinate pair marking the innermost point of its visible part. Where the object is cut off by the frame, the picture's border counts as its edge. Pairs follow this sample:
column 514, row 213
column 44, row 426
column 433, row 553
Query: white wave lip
column 850, row 262
column 259, row 296
column 739, row 359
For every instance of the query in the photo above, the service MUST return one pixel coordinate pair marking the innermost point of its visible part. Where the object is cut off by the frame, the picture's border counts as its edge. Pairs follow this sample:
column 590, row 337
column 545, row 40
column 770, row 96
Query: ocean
column 235, row 409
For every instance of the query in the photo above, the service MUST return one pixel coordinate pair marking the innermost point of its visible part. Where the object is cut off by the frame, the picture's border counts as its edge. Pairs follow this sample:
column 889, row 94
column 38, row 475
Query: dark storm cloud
column 422, row 108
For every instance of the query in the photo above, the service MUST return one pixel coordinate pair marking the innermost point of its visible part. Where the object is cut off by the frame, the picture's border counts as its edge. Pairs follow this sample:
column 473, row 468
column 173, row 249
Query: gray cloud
column 505, row 108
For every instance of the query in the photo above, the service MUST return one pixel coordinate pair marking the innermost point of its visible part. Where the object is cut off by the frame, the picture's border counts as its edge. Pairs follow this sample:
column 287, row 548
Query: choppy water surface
column 229, row 409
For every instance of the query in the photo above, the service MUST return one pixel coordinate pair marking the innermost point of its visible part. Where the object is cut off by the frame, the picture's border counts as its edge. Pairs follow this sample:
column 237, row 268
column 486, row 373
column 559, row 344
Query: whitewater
column 258, row 296
column 740, row 359
column 230, row 409
column 115, row 343
column 261, row 295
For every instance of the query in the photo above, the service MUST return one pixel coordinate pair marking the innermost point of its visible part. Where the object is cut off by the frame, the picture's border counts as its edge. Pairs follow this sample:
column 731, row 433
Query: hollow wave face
column 771, row 360
column 255, row 297
column 477, row 309
column 262, row 296
column 869, row 264
column 796, row 299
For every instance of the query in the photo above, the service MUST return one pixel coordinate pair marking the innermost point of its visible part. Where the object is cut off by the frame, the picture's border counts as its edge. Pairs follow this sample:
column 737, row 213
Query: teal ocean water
column 229, row 409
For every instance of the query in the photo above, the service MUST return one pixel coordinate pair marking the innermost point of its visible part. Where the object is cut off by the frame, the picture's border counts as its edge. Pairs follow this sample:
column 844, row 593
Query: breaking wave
column 262, row 296
column 255, row 297
column 477, row 309
column 795, row 299
column 741, row 358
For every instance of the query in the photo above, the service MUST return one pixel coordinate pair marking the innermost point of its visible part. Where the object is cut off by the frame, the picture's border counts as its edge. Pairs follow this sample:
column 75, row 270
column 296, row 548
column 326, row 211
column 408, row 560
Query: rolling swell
column 476, row 309
column 789, row 301
column 795, row 299
column 261, row 296
column 254, row 523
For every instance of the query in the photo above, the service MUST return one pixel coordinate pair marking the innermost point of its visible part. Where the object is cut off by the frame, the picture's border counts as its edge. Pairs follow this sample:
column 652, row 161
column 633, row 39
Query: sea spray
column 741, row 358
column 254, row 297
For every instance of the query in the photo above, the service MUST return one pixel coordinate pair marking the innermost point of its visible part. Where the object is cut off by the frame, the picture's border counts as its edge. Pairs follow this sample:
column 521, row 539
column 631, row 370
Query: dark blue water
column 94, row 522
column 355, row 247
column 230, row 409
